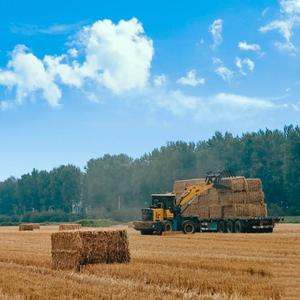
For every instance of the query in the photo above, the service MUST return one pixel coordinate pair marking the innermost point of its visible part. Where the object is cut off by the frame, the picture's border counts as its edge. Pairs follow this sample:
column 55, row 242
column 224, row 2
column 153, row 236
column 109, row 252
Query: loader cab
column 161, row 207
column 165, row 201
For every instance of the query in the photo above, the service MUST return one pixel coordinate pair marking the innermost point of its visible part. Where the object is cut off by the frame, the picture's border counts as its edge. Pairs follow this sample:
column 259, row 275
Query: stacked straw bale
column 71, row 249
column 26, row 227
column 69, row 226
column 244, row 198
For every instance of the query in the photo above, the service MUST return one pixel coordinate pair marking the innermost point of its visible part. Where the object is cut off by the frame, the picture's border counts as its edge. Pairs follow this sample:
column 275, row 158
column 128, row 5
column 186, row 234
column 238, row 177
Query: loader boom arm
column 191, row 193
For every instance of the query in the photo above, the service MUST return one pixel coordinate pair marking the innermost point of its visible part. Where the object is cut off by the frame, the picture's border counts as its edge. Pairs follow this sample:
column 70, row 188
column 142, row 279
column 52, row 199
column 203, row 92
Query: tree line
column 116, row 186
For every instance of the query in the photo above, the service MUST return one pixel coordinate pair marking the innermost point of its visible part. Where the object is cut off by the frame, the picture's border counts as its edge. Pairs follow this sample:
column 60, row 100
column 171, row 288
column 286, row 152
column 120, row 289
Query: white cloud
column 27, row 74
column 225, row 73
column 176, row 102
column 248, row 47
column 243, row 101
column 265, row 11
column 220, row 106
column 244, row 63
column 290, row 6
column 114, row 56
column 55, row 29
column 216, row 30
column 160, row 80
column 285, row 25
column 191, row 79
column 117, row 56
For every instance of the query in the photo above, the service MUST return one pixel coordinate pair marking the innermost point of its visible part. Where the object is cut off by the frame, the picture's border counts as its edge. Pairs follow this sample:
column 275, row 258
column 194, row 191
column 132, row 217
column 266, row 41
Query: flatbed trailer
column 192, row 224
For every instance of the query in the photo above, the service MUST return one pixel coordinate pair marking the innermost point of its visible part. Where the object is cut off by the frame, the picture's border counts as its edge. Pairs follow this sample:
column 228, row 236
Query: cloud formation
column 216, row 31
column 160, row 80
column 245, row 63
column 221, row 106
column 248, row 47
column 225, row 73
column 116, row 57
column 27, row 74
column 191, row 79
column 285, row 25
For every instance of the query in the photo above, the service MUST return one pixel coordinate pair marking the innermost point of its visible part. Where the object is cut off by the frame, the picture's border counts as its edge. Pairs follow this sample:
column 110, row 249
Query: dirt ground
column 199, row 266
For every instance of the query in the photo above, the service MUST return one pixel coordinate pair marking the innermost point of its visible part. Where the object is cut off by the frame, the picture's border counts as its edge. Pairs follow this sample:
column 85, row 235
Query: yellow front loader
column 164, row 214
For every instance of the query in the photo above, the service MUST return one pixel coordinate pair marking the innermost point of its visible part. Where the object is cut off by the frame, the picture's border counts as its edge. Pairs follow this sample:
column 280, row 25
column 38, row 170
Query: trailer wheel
column 168, row 226
column 188, row 227
column 229, row 226
column 238, row 226
column 221, row 226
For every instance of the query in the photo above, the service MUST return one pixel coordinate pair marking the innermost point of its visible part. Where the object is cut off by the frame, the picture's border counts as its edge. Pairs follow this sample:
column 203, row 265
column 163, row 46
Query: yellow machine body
column 160, row 214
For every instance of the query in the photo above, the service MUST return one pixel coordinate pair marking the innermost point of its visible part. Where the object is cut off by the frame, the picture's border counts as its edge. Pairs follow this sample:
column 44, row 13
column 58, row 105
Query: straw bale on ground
column 74, row 248
column 69, row 226
column 35, row 226
column 26, row 227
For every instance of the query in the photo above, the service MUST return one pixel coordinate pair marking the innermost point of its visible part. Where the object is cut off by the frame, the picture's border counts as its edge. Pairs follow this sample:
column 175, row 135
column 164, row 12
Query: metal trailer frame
column 185, row 224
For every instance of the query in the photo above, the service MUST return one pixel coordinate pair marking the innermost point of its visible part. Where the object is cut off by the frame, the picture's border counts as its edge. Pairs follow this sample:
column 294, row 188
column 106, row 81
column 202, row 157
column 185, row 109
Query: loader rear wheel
column 238, row 226
column 188, row 227
column 229, row 226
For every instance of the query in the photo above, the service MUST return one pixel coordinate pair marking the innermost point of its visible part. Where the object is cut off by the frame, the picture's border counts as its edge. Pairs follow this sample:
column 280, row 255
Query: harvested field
column 201, row 266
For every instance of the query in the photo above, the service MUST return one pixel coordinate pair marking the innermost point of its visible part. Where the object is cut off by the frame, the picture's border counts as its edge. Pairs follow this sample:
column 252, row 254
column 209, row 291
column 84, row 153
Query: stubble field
column 201, row 266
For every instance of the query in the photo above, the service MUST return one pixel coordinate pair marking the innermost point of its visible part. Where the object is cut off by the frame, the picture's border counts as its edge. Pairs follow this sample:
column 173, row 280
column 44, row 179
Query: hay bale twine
column 26, row 227
column 69, row 226
column 72, row 249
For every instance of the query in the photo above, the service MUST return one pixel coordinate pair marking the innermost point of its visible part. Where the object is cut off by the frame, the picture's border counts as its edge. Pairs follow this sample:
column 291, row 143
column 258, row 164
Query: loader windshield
column 165, row 201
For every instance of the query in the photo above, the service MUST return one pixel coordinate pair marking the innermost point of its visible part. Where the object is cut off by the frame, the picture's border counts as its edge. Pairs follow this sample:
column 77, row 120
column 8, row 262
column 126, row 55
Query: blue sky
column 81, row 79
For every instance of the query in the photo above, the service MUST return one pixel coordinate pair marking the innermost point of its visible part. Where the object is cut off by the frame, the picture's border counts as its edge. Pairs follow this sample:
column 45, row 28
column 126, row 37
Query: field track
column 201, row 266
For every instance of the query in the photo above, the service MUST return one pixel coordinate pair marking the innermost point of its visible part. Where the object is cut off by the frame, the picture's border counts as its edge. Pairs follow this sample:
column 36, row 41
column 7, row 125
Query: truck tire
column 188, row 227
column 168, row 226
column 221, row 226
column 229, row 226
column 238, row 226
column 146, row 232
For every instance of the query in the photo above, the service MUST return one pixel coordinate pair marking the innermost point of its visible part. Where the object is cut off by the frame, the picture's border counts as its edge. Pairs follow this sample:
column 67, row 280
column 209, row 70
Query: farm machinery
column 167, row 214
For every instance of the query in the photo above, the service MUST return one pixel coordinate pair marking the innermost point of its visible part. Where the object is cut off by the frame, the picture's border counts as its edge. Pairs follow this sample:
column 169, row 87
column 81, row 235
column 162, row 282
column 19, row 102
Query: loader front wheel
column 168, row 226
column 188, row 227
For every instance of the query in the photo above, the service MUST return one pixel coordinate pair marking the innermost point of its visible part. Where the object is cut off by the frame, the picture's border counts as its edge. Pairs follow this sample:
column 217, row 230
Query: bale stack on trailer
column 243, row 198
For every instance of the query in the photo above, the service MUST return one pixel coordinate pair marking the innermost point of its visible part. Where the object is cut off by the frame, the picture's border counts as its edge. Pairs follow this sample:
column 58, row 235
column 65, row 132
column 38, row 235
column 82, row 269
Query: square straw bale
column 35, row 226
column 26, row 227
column 236, row 184
column 69, row 226
column 74, row 248
column 256, row 197
column 254, row 184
